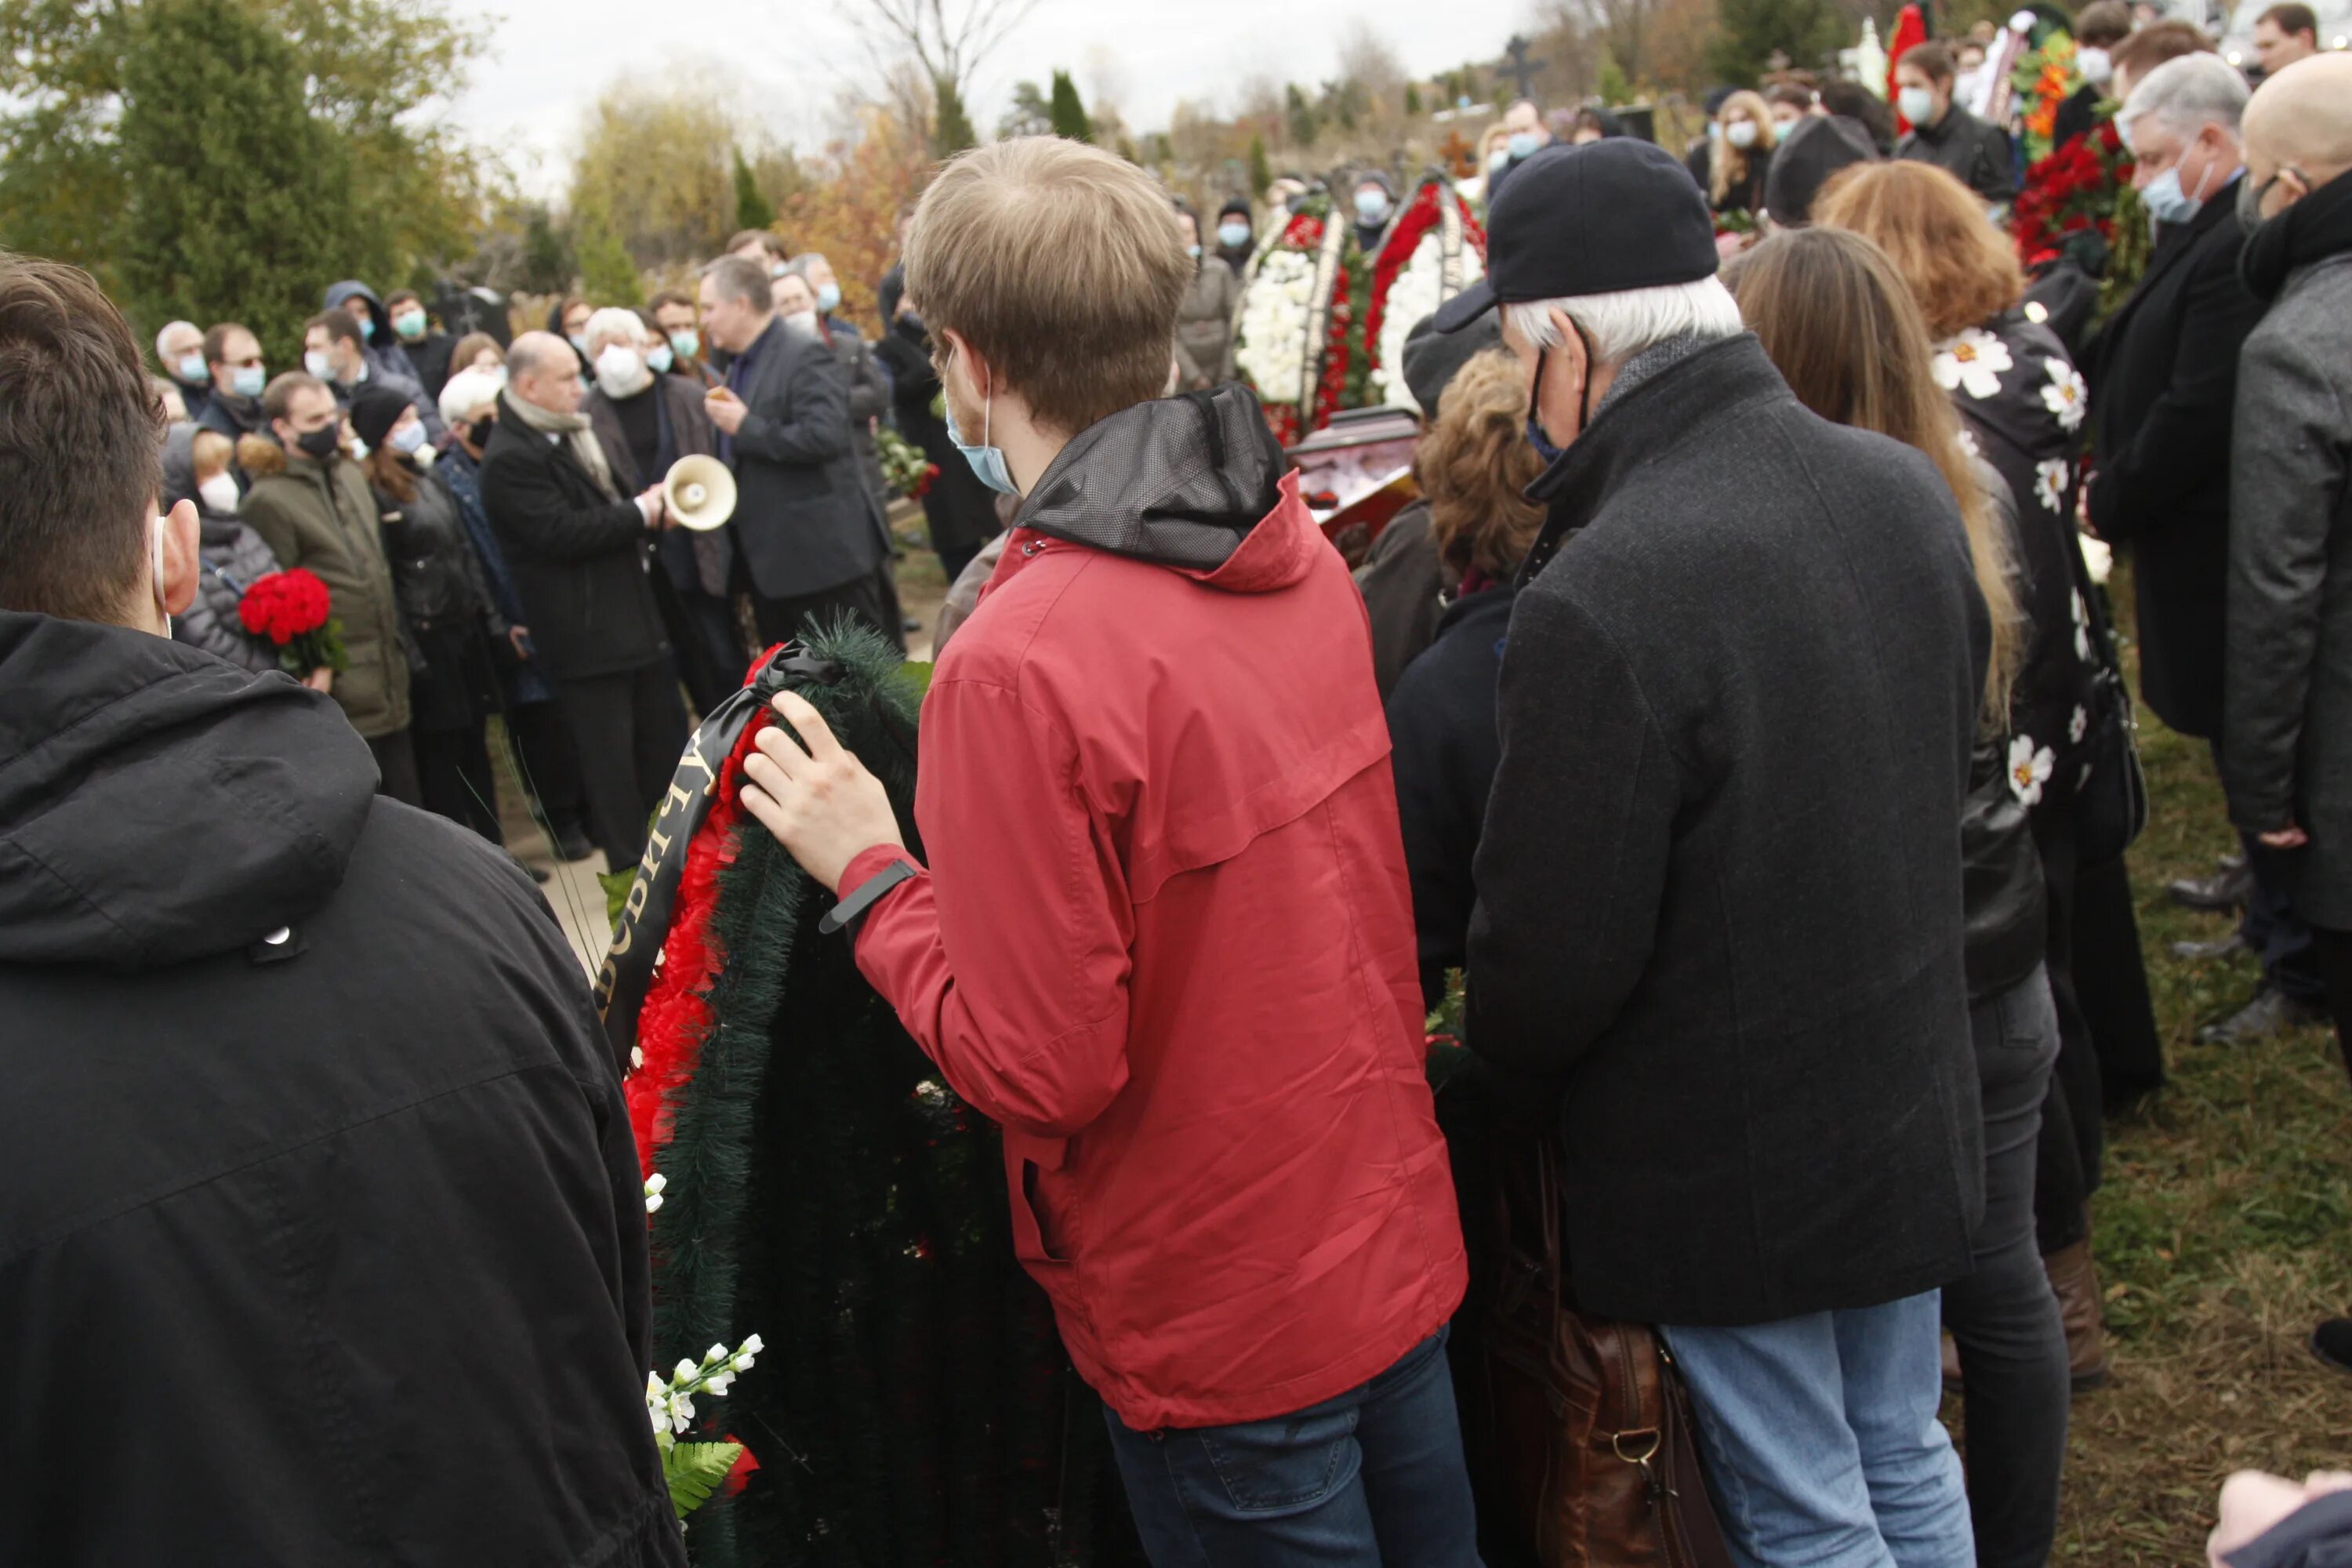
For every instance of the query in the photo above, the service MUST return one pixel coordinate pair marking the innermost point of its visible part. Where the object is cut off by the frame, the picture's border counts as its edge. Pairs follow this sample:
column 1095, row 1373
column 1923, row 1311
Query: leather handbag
column 1593, row 1427
column 2111, row 790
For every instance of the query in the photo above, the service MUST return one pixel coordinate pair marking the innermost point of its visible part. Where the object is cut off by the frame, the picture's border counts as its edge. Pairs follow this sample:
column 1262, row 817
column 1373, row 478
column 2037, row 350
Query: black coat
column 1719, row 899
column 1404, row 585
column 1980, row 156
column 2164, row 381
column 1444, row 748
column 576, row 554
column 805, row 520
column 959, row 509
column 334, row 1243
column 695, row 561
column 444, row 603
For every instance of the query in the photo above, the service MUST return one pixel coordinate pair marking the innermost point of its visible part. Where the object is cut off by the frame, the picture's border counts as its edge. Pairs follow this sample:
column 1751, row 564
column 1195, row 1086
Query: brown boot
column 2075, row 1279
column 1951, row 1365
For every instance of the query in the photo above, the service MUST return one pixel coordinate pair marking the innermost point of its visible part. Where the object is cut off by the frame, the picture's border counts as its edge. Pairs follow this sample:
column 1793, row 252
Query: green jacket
column 325, row 519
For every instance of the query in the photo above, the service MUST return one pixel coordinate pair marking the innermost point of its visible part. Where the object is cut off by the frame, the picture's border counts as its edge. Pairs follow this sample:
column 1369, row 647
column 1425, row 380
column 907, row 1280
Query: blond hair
column 1730, row 162
column 1056, row 262
column 208, row 453
column 1475, row 464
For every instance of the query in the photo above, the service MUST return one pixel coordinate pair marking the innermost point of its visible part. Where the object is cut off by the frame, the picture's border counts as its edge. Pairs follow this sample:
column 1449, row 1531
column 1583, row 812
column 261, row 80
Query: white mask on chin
column 802, row 322
column 219, row 493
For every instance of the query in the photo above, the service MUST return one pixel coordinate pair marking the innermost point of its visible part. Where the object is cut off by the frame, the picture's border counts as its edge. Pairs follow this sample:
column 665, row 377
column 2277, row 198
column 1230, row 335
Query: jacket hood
column 159, row 805
column 1180, row 482
column 379, row 319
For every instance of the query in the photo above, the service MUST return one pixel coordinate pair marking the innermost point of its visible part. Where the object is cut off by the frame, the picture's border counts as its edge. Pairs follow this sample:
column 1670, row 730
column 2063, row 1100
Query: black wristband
column 864, row 896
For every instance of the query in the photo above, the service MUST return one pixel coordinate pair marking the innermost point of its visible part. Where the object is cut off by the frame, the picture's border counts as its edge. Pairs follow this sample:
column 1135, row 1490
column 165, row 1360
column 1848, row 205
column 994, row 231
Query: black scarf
column 2314, row 228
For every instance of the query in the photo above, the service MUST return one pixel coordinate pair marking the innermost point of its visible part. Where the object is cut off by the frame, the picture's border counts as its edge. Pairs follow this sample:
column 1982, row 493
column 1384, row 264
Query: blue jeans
column 1372, row 1480
column 1821, row 1442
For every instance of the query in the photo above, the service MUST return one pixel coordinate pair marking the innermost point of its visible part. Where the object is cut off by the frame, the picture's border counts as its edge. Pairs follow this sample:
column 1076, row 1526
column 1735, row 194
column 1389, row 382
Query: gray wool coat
column 2287, row 702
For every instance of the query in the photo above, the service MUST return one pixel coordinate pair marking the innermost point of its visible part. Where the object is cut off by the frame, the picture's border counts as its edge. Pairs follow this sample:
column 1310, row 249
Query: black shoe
column 2216, row 894
column 2332, row 1343
column 572, row 842
column 2272, row 1012
column 539, row 874
column 2231, row 865
column 2207, row 951
column 910, row 624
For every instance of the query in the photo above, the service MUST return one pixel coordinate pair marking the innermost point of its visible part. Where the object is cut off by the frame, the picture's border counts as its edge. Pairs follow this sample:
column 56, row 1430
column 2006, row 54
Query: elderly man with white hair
column 2164, row 383
column 179, row 349
column 647, row 419
column 1718, row 936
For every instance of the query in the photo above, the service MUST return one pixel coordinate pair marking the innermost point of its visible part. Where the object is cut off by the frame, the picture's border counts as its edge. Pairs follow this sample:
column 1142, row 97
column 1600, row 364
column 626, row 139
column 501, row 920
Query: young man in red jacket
column 1165, row 937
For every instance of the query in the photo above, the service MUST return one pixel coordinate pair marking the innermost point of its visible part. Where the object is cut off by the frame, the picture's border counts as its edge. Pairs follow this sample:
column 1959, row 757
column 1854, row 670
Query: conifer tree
column 1066, row 113
column 753, row 209
column 951, row 130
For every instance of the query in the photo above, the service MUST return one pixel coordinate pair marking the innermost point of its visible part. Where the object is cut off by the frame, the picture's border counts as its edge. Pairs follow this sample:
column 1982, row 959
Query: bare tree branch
column 949, row 39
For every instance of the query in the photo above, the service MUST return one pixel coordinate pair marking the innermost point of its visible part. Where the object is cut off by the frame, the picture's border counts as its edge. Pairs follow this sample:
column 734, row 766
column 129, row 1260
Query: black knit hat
column 1235, row 205
column 1602, row 218
column 1815, row 147
column 374, row 411
column 1433, row 359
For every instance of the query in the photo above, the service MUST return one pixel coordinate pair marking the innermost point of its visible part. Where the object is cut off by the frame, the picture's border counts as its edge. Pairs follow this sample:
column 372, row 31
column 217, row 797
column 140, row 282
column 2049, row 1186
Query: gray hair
column 742, row 279
column 1622, row 325
column 614, row 322
column 469, row 390
column 2188, row 94
column 800, row 266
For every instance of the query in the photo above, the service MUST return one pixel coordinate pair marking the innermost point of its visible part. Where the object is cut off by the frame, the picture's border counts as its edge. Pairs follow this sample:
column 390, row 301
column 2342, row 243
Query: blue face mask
column 248, row 379
column 192, row 368
column 987, row 462
column 407, row 439
column 686, row 341
column 659, row 359
column 1371, row 205
column 828, row 297
column 1193, row 251
column 2165, row 199
column 1523, row 144
column 1233, row 235
column 579, row 342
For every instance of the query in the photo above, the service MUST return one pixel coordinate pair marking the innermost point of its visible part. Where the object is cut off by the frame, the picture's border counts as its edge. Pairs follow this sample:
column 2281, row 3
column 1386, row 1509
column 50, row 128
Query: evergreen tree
column 1030, row 115
column 236, row 216
column 1301, row 116
column 607, row 275
column 752, row 209
column 1805, row 30
column 1412, row 99
column 1261, row 171
column 1613, row 87
column 1067, row 115
column 951, row 130
column 547, row 264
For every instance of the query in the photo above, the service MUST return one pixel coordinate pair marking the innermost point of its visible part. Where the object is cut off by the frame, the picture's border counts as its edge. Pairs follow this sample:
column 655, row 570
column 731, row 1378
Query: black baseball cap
column 1602, row 219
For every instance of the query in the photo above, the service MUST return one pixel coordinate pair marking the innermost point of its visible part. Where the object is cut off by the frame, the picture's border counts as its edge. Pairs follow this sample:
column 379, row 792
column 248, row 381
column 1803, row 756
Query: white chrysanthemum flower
column 2030, row 768
column 2050, row 483
column 1972, row 361
column 2065, row 395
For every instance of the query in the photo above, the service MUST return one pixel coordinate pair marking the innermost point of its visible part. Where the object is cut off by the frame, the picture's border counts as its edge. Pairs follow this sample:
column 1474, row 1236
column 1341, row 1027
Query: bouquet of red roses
column 2073, row 190
column 903, row 467
column 293, row 611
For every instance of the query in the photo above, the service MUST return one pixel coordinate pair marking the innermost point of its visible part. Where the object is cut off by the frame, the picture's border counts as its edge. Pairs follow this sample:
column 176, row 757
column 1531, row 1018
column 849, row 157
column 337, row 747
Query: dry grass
column 2224, row 1230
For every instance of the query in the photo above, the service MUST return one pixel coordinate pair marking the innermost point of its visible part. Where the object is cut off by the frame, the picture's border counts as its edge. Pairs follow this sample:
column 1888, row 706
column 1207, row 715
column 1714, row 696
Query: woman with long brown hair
column 445, row 607
column 2022, row 404
column 1839, row 321
column 1474, row 464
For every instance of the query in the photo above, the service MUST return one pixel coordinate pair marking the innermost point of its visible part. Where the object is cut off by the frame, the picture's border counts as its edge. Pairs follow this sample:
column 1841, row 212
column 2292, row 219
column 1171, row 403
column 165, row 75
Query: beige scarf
column 574, row 428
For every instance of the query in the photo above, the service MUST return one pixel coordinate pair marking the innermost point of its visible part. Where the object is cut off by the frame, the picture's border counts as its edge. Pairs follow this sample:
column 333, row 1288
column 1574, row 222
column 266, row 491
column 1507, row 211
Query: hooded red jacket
column 1167, row 940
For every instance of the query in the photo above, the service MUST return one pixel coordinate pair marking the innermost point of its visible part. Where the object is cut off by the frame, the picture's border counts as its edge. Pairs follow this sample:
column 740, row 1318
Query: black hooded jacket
column 321, row 1239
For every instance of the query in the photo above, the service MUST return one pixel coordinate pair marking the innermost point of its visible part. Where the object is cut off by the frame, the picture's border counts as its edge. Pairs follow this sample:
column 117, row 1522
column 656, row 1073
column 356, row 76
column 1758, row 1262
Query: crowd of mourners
column 1734, row 728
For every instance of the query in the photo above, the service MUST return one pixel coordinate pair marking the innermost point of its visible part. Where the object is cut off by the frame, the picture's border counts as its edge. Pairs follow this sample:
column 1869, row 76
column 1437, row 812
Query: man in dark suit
column 2165, row 378
column 575, row 542
column 806, row 527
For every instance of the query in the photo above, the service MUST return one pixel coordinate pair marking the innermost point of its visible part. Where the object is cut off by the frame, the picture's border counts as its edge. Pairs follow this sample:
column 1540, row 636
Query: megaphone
column 699, row 492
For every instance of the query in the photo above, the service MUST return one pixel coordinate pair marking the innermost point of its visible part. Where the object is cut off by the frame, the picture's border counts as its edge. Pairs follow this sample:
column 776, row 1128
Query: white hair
column 469, row 390
column 2188, row 94
column 169, row 328
column 801, row 265
column 614, row 322
column 1622, row 325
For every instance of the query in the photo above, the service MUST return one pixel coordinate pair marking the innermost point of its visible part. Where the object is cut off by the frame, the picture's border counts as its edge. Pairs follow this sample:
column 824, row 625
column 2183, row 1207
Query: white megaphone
column 699, row 492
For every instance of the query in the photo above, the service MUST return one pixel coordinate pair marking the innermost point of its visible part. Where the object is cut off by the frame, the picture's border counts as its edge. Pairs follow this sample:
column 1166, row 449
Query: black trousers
column 2334, row 951
column 2073, row 1130
column 2272, row 930
column 629, row 728
column 711, row 658
column 2111, row 983
column 870, row 598
column 954, row 558
column 395, row 765
column 453, row 767
column 549, row 762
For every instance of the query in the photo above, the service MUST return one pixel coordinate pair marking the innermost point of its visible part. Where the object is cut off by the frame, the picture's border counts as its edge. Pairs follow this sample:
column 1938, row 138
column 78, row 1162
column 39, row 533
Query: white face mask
column 2097, row 68
column 1740, row 133
column 219, row 493
column 317, row 364
column 620, row 371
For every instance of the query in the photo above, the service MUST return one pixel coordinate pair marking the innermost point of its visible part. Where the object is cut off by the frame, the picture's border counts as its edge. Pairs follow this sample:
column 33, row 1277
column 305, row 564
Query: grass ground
column 2224, row 1230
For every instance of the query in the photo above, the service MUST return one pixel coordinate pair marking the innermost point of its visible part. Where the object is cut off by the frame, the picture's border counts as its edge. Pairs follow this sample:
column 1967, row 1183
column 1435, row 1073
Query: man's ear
column 183, row 560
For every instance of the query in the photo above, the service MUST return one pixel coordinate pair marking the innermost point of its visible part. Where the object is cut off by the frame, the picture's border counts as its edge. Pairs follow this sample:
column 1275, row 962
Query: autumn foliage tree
column 848, row 207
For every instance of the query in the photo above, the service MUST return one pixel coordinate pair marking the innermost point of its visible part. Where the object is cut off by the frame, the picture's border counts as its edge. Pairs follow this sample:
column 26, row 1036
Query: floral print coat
column 2021, row 405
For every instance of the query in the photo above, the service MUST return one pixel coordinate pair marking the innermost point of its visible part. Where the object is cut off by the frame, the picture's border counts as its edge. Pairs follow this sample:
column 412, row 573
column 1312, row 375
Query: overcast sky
column 552, row 58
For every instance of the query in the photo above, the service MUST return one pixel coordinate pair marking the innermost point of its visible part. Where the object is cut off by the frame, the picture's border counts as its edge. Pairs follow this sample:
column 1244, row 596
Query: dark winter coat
column 695, row 559
column 1446, row 749
column 1204, row 328
column 961, row 511
column 323, row 517
column 1978, row 155
column 2002, row 890
column 2288, row 751
column 1719, row 892
column 2021, row 404
column 445, row 603
column 2164, row 382
column 230, row 556
column 320, row 1215
column 233, row 416
column 578, row 556
column 385, row 352
column 805, row 520
column 869, row 400
column 523, row 680
column 1404, row 585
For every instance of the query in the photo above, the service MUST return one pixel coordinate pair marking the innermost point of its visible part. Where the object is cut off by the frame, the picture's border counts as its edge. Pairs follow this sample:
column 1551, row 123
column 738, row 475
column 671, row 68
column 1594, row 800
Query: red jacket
column 1167, row 942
